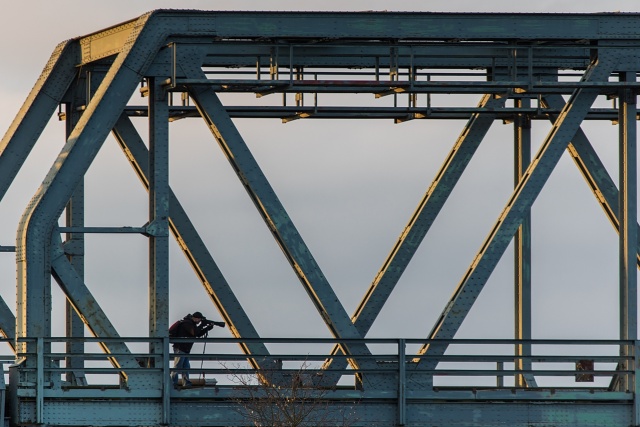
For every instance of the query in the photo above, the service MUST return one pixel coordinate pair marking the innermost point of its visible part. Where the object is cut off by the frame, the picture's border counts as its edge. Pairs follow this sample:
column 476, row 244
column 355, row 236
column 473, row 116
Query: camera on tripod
column 209, row 324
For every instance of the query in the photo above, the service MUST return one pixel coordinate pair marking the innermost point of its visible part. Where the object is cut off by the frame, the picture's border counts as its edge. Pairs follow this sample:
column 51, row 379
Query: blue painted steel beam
column 628, row 216
column 102, row 230
column 24, row 131
column 74, row 217
column 158, row 210
column 74, row 245
column 7, row 324
column 352, row 58
column 522, row 252
column 193, row 246
column 513, row 214
column 288, row 113
column 385, row 88
column 300, row 27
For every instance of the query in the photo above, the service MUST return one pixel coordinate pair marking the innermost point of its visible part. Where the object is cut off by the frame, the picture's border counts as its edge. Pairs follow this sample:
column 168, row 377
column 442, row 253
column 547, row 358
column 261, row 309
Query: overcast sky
column 350, row 188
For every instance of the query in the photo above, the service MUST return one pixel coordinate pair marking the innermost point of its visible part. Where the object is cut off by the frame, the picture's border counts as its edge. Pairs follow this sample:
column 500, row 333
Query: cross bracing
column 517, row 69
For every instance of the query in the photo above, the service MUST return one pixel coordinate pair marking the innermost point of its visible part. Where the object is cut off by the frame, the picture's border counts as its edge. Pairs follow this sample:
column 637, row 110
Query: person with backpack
column 191, row 326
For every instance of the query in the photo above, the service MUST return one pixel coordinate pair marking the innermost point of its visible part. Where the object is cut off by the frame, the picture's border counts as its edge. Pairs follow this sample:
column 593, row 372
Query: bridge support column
column 74, row 243
column 158, row 212
column 522, row 245
column 627, row 206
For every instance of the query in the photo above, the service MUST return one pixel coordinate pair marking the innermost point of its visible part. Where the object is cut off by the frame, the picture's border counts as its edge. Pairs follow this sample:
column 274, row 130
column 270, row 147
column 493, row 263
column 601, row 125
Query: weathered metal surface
column 503, row 57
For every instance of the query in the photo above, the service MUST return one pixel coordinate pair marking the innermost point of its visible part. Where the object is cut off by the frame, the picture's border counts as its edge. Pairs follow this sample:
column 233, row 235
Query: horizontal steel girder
column 303, row 27
column 221, row 409
column 400, row 114
column 384, row 88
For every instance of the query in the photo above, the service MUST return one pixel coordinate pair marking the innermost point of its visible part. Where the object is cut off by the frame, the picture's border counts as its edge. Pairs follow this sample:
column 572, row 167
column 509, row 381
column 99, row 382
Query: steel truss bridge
column 518, row 68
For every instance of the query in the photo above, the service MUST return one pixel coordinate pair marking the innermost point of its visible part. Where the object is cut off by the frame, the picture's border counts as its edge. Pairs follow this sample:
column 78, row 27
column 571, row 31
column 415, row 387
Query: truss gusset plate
column 279, row 222
column 192, row 244
column 511, row 217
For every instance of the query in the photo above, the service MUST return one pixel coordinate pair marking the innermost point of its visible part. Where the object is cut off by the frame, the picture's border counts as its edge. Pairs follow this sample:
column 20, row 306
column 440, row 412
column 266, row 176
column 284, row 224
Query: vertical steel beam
column 636, row 382
column 522, row 251
column 74, row 248
column 167, row 384
column 513, row 214
column 627, row 209
column 402, row 382
column 192, row 245
column 40, row 350
column 74, row 325
column 278, row 221
column 158, row 210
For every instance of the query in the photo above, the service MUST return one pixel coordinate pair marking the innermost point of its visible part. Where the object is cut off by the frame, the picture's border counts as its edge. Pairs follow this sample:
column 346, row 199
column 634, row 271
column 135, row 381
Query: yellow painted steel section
column 105, row 43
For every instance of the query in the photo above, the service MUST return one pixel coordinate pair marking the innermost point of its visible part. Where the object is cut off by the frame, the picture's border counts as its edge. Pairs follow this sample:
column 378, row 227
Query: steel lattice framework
column 515, row 63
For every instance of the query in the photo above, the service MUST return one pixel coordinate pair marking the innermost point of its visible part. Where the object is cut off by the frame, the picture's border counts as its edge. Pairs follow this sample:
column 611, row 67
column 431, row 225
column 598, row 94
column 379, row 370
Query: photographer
column 191, row 326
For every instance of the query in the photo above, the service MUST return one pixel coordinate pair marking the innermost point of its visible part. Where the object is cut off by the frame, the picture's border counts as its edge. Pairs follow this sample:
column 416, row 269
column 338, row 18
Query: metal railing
column 554, row 364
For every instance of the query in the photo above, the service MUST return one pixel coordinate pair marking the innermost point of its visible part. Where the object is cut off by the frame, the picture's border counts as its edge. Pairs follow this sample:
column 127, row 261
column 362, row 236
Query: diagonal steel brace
column 279, row 222
column 87, row 307
column 510, row 219
column 192, row 244
column 592, row 169
column 423, row 218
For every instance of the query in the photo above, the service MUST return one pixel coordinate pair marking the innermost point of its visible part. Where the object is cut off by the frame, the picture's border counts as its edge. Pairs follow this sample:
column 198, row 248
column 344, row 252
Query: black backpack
column 173, row 329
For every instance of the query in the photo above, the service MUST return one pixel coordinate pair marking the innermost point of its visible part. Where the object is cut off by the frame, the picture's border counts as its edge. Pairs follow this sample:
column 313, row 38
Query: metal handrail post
column 402, row 384
column 166, row 382
column 39, row 380
column 636, row 383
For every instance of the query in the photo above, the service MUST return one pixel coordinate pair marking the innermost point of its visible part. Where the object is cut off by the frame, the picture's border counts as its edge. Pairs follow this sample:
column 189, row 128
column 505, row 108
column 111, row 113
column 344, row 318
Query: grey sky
column 350, row 188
